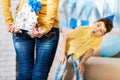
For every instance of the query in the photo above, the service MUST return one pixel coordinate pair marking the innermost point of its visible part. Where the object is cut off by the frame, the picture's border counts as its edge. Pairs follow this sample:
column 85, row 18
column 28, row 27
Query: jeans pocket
column 21, row 36
column 50, row 36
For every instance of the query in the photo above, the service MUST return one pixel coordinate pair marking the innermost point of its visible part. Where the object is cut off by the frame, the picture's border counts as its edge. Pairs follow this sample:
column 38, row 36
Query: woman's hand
column 62, row 58
column 81, row 68
column 13, row 30
column 36, row 32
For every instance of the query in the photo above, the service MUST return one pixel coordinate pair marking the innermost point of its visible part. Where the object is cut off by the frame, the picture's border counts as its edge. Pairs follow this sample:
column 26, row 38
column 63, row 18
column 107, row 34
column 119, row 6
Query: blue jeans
column 37, row 67
column 62, row 67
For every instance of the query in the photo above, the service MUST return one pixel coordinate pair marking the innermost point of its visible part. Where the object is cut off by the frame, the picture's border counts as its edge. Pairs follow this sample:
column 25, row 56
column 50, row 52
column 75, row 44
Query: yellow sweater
column 47, row 16
column 80, row 40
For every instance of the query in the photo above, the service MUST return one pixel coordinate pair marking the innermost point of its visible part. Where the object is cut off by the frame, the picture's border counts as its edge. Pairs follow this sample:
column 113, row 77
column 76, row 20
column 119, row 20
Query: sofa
column 103, row 68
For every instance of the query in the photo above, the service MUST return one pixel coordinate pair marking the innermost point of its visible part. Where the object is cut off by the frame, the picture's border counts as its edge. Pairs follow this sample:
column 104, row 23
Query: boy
column 80, row 44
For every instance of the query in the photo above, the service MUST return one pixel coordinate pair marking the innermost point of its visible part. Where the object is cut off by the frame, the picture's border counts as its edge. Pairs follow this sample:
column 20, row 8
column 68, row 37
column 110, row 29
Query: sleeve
column 96, row 44
column 75, row 32
column 51, row 14
column 6, row 4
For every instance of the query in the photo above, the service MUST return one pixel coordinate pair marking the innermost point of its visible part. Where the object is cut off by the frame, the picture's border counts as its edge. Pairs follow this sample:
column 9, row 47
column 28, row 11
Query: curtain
column 88, row 11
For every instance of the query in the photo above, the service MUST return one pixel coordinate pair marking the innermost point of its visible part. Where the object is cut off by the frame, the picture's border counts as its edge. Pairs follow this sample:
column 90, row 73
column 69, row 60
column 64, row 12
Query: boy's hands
column 62, row 58
column 81, row 68
column 87, row 55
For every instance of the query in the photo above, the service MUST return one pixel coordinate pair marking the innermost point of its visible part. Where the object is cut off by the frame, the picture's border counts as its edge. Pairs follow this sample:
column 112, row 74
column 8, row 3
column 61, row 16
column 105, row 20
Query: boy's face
column 98, row 29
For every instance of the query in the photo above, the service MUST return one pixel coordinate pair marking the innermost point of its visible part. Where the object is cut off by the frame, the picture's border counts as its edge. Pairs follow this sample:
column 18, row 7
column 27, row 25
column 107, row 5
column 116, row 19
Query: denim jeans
column 62, row 67
column 31, row 67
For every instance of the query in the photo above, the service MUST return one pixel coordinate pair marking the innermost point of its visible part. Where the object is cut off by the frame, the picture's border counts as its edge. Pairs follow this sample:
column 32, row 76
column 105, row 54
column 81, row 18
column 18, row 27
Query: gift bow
column 36, row 5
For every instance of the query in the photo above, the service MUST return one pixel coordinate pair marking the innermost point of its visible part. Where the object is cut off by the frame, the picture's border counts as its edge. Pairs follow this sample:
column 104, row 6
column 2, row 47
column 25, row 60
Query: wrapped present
column 26, row 18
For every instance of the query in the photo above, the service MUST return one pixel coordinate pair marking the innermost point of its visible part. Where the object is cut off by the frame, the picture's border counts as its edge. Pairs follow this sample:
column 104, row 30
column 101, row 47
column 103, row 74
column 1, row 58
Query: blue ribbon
column 84, row 23
column 36, row 5
column 73, row 23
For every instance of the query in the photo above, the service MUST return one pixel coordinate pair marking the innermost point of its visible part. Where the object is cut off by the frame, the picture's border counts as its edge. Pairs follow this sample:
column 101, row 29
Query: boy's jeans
column 62, row 67
column 30, row 67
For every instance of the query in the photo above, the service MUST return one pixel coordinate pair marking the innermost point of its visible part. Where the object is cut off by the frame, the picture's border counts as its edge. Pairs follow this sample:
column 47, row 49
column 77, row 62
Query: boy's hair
column 108, row 24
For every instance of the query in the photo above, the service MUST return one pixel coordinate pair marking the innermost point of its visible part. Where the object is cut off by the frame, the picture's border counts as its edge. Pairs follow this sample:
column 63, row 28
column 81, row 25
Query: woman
column 43, row 39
